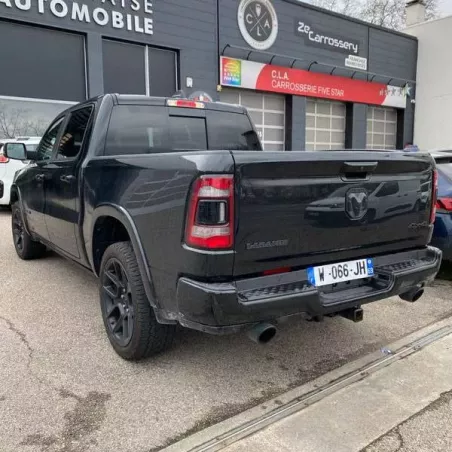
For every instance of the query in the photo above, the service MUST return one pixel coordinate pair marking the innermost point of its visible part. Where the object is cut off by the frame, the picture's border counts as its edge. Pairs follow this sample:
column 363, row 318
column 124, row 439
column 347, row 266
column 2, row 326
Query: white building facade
column 433, row 97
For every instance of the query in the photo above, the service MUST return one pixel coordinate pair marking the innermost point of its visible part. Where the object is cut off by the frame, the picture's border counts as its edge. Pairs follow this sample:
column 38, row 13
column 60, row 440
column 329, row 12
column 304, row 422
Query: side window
column 138, row 129
column 45, row 148
column 71, row 141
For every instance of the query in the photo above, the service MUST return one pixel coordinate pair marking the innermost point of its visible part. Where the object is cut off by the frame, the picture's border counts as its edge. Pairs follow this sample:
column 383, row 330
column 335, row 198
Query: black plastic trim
column 222, row 308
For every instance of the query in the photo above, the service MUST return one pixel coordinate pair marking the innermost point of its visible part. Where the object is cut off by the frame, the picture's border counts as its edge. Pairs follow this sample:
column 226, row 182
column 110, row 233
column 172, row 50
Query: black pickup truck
column 184, row 219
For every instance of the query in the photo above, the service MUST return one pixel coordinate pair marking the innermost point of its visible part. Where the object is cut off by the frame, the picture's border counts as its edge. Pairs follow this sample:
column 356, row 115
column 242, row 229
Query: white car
column 9, row 167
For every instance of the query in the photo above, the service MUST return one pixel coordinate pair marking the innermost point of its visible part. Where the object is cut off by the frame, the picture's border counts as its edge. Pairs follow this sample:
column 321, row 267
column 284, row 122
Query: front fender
column 121, row 214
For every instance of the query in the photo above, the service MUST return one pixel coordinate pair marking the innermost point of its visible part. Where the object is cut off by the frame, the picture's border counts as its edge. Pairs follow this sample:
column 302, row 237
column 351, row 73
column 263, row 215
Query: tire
column 128, row 317
column 26, row 247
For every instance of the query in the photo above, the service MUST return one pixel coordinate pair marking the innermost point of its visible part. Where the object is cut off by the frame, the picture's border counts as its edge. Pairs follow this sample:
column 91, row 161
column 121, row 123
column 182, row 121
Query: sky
column 445, row 6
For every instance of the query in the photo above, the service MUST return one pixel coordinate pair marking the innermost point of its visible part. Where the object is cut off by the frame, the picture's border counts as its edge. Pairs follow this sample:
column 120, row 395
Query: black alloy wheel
column 117, row 301
column 26, row 247
column 129, row 318
column 18, row 230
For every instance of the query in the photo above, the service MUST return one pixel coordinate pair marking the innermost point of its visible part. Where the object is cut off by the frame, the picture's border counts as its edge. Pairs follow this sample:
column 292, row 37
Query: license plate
column 336, row 273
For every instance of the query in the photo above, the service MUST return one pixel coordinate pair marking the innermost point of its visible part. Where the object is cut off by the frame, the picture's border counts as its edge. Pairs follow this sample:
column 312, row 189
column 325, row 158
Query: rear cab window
column 138, row 129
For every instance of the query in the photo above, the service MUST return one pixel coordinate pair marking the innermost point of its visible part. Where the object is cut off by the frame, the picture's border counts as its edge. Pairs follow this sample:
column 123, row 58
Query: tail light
column 434, row 196
column 444, row 204
column 3, row 159
column 183, row 103
column 210, row 221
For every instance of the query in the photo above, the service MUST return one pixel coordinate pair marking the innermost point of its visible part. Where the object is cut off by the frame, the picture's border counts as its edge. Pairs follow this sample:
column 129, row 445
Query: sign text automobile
column 130, row 15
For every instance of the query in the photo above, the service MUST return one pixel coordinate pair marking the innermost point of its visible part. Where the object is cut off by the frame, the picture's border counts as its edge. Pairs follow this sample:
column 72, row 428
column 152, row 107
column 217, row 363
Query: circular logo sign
column 258, row 23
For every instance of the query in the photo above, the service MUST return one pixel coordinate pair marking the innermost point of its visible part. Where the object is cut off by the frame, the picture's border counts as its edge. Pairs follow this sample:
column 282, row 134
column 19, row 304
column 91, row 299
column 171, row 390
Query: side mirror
column 15, row 151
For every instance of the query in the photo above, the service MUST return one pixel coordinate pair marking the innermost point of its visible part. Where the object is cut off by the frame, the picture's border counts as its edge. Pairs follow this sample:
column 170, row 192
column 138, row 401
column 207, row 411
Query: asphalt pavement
column 425, row 431
column 64, row 389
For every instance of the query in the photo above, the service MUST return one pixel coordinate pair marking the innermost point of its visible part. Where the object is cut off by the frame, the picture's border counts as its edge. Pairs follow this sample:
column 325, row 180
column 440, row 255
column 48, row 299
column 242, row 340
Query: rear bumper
column 229, row 307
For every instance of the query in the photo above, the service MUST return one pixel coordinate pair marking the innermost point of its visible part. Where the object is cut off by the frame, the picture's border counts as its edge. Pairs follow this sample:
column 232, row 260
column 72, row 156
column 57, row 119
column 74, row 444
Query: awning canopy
column 292, row 62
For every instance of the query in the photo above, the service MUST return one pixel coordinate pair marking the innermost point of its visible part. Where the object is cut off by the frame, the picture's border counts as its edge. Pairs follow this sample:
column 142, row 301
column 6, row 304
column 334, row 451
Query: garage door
column 325, row 125
column 267, row 112
column 381, row 128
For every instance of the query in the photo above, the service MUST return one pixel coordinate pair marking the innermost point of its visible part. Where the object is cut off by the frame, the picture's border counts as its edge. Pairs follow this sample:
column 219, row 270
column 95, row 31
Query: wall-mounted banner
column 266, row 77
column 326, row 39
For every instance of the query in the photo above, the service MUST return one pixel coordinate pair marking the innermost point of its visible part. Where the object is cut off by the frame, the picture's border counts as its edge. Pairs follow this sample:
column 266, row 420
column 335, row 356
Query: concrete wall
column 432, row 128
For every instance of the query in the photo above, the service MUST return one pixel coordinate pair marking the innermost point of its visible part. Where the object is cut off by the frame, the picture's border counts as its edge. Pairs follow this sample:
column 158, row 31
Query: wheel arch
column 16, row 196
column 120, row 227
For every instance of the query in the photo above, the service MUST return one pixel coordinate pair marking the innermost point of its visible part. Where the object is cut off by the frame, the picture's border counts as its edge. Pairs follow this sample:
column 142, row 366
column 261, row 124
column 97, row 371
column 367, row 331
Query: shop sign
column 325, row 39
column 298, row 82
column 356, row 62
column 258, row 23
column 130, row 15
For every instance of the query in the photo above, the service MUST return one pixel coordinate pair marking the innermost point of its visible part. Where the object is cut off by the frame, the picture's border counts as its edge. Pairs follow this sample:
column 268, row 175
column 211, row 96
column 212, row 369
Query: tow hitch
column 354, row 314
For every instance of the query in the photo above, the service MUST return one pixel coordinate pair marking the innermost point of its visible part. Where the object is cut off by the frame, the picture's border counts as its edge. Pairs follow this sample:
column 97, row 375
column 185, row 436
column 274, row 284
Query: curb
column 228, row 432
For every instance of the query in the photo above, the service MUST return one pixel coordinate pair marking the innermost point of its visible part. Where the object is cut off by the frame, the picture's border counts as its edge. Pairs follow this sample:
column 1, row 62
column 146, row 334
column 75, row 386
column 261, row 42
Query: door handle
column 40, row 177
column 357, row 170
column 359, row 167
column 67, row 179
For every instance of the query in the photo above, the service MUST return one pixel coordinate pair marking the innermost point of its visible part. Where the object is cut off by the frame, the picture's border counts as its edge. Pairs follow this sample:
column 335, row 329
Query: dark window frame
column 61, row 120
column 54, row 157
column 181, row 113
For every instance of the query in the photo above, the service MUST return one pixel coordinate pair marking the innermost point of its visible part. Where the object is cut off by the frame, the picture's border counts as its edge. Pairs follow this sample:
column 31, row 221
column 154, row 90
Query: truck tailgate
column 297, row 209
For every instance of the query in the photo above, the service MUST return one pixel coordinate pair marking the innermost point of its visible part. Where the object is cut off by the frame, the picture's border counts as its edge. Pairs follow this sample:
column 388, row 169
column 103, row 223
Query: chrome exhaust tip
column 412, row 295
column 262, row 333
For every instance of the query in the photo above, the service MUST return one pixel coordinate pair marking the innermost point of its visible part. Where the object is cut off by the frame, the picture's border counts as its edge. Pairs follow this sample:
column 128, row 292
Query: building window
column 118, row 59
column 40, row 63
column 325, row 125
column 381, row 128
column 138, row 69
